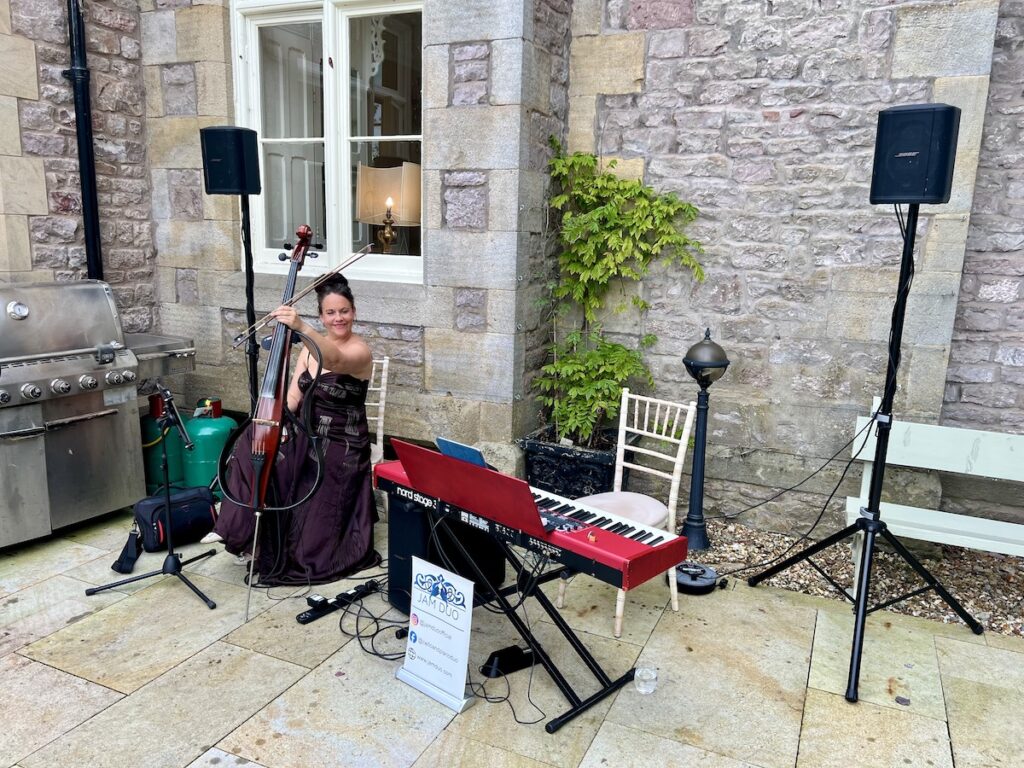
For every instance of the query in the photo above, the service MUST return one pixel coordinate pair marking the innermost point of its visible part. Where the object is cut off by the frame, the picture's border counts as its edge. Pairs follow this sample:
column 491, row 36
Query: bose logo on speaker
column 907, row 154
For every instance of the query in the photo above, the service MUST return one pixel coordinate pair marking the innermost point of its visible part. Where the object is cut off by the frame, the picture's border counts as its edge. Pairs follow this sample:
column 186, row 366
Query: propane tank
column 152, row 450
column 209, row 430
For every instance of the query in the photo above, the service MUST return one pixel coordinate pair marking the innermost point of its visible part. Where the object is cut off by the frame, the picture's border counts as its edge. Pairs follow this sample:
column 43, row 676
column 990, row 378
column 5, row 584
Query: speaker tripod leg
column 803, row 555
column 860, row 606
column 923, row 572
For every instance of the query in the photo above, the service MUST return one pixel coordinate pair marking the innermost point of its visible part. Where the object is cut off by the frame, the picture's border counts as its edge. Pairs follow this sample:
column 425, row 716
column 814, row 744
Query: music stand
column 870, row 522
column 172, row 562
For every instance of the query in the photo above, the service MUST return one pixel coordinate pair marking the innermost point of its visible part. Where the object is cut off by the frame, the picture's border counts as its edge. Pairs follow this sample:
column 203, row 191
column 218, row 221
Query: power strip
column 322, row 607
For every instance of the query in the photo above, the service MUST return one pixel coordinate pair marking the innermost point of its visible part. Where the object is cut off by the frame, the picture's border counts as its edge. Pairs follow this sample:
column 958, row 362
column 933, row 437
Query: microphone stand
column 172, row 562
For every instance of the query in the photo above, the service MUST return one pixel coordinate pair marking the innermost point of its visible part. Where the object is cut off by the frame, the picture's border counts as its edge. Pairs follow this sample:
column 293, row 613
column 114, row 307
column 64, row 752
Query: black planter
column 568, row 471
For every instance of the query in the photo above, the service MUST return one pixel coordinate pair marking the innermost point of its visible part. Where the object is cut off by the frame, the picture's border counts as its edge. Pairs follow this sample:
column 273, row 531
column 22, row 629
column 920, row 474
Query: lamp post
column 706, row 362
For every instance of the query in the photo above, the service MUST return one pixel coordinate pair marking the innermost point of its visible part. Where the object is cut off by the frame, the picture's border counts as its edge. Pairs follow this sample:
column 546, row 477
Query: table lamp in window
column 388, row 198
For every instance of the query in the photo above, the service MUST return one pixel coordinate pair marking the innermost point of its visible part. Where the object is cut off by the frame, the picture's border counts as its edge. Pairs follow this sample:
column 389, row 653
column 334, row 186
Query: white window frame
column 334, row 16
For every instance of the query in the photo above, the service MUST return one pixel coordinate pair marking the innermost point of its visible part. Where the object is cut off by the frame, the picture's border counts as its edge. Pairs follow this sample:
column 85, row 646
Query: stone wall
column 40, row 192
column 985, row 380
column 763, row 114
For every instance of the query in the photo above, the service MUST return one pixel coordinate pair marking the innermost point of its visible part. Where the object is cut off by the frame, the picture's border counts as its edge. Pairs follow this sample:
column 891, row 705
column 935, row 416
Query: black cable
column 806, row 535
column 829, row 460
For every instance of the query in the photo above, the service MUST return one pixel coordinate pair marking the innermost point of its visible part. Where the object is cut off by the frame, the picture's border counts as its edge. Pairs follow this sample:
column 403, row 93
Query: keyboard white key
column 557, row 511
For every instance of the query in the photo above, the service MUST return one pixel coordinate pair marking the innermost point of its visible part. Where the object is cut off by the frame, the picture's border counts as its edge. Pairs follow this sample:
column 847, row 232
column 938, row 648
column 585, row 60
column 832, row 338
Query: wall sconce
column 387, row 198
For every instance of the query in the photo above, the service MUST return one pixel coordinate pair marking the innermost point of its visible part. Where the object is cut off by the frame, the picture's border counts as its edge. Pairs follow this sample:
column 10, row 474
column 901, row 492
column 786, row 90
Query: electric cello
column 265, row 425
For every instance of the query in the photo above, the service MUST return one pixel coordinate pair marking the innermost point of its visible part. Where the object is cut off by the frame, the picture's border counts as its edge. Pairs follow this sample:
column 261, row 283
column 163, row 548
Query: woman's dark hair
column 337, row 284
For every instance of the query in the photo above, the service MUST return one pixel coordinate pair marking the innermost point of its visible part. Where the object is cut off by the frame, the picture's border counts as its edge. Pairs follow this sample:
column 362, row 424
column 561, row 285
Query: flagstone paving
column 146, row 674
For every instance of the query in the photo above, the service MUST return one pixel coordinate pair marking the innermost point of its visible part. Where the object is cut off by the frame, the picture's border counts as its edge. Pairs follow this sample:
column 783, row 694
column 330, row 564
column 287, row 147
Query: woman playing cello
column 331, row 534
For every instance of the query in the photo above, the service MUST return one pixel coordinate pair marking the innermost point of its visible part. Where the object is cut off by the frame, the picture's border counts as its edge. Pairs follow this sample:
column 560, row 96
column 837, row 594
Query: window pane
column 383, row 170
column 291, row 79
column 293, row 192
column 385, row 74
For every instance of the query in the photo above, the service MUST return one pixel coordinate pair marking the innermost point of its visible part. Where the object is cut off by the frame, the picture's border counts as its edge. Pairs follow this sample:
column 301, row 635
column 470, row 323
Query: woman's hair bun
column 334, row 282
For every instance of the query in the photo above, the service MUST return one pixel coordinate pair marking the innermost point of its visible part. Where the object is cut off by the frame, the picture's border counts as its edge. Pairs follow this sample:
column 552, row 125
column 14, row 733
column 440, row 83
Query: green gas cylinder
column 152, row 450
column 209, row 430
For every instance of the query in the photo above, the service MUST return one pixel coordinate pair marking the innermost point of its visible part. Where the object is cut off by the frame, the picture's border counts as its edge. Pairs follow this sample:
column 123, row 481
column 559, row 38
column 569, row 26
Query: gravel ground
column 989, row 586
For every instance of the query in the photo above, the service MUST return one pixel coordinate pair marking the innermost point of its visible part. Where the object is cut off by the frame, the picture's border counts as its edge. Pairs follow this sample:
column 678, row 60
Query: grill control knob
column 87, row 382
column 59, row 387
column 114, row 378
column 31, row 391
column 5, row 398
column 128, row 375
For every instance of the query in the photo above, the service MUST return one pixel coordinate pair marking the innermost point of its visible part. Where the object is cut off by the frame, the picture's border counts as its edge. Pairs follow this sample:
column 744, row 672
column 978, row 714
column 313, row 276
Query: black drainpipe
column 79, row 77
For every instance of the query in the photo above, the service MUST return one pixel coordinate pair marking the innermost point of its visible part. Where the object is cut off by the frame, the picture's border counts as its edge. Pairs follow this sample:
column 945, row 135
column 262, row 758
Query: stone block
column 926, row 380
column 505, row 203
column 202, row 33
column 15, row 250
column 970, row 94
column 586, row 17
column 221, row 207
column 198, row 244
column 489, row 378
column 435, row 77
column 607, row 64
column 424, row 416
column 154, row 91
column 521, row 74
column 466, row 208
column 214, row 89
column 160, row 195
column 159, row 38
column 582, row 124
column 201, row 324
column 944, row 40
column 5, row 17
column 469, row 20
column 625, row 167
column 473, row 259
column 22, row 186
column 945, row 242
column 174, row 141
column 10, row 129
column 18, row 73
column 496, row 133
column 502, row 310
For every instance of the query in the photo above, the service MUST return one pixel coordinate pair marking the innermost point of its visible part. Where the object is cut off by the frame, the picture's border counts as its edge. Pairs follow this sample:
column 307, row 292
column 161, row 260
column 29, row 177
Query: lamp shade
column 374, row 186
column 706, row 361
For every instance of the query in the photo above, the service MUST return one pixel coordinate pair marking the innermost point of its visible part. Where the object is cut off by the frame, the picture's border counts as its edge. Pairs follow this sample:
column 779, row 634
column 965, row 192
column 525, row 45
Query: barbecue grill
column 70, row 442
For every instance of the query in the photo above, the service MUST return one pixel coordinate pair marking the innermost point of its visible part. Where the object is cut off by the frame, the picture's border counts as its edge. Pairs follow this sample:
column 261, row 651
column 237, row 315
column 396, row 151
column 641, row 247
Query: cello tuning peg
column 318, row 246
column 287, row 246
column 282, row 257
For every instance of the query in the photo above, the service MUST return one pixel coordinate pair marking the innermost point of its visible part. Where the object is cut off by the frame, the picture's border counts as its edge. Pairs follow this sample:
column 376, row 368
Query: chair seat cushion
column 632, row 506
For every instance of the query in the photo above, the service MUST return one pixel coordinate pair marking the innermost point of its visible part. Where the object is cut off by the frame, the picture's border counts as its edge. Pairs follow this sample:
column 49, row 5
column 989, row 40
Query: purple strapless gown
column 330, row 535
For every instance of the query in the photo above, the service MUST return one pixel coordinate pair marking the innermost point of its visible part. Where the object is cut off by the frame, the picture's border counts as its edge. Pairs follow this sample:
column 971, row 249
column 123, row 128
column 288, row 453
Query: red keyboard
column 617, row 551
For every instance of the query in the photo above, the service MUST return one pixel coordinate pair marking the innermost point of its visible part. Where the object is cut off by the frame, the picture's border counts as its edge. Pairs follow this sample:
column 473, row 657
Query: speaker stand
column 252, row 349
column 870, row 522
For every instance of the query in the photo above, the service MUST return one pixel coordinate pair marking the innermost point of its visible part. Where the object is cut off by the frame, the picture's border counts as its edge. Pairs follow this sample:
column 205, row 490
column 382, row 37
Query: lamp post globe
column 706, row 362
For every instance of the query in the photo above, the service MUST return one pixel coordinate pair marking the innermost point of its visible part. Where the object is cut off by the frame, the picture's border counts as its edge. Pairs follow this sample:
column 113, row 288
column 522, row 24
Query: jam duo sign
column 440, row 620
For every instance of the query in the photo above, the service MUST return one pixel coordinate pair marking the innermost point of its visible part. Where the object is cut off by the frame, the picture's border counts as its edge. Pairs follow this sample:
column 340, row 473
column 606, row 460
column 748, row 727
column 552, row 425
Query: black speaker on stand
column 231, row 166
column 914, row 152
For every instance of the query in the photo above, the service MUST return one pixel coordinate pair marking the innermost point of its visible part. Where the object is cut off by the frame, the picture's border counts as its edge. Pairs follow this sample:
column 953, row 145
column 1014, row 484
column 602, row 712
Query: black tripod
column 173, row 562
column 870, row 522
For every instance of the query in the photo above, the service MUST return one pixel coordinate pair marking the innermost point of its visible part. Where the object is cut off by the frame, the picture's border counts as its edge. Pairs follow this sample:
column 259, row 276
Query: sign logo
column 440, row 588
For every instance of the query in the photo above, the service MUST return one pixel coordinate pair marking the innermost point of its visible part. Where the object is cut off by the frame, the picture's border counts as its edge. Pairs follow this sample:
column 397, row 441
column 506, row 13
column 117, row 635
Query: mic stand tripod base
column 173, row 563
column 172, row 567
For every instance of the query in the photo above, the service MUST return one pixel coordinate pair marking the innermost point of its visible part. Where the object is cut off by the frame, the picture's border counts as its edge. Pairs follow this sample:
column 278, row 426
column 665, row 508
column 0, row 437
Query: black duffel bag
column 192, row 516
